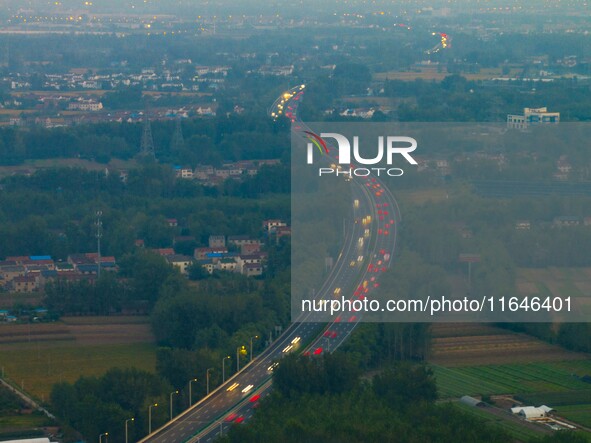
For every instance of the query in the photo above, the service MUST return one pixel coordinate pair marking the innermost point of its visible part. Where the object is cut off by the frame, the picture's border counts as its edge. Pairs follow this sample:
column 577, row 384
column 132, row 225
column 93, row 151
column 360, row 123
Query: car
column 338, row 319
column 232, row 387
column 231, row 417
column 352, row 264
column 337, row 291
column 333, row 334
column 247, row 389
column 287, row 349
column 318, row 351
column 352, row 318
column 273, row 366
column 296, row 340
column 239, row 420
column 255, row 398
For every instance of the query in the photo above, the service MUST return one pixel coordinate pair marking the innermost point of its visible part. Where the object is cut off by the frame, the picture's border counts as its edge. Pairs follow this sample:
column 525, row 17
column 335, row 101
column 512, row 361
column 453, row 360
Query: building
column 217, row 241
column 26, row 283
column 181, row 262
column 531, row 412
column 532, row 116
column 471, row 401
column 252, row 269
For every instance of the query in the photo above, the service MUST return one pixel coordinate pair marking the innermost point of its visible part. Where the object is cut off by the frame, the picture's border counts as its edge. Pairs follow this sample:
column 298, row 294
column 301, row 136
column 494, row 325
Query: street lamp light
column 224, row 368
column 106, row 434
column 150, row 417
column 207, row 378
column 171, row 394
column 240, row 350
column 251, row 338
column 127, row 421
column 191, row 392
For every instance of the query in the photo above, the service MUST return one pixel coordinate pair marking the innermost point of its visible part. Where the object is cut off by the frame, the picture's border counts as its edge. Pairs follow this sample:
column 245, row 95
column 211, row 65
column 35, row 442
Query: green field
column 37, row 368
column 516, row 430
column 577, row 413
column 512, row 379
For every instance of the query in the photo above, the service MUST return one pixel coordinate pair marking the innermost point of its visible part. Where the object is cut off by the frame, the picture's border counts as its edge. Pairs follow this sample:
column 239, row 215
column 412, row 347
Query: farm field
column 36, row 367
column 512, row 379
column 455, row 345
column 577, row 413
column 555, row 282
column 35, row 356
column 520, row 430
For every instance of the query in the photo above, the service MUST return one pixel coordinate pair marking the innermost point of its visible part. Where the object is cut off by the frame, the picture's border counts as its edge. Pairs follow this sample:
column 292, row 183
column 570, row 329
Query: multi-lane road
column 355, row 275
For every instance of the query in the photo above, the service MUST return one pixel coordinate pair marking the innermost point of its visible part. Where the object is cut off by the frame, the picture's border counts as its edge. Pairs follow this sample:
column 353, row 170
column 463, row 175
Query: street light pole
column 224, row 368
column 207, row 378
column 106, row 434
column 171, row 394
column 126, row 434
column 191, row 392
column 251, row 338
column 150, row 417
column 238, row 359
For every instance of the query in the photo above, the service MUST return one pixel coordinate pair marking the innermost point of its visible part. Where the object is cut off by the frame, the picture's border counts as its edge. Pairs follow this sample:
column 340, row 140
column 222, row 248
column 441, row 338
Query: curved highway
column 375, row 214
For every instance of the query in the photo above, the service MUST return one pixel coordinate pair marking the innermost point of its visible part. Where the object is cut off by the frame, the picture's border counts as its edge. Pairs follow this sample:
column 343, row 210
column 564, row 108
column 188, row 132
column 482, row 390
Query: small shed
column 471, row 401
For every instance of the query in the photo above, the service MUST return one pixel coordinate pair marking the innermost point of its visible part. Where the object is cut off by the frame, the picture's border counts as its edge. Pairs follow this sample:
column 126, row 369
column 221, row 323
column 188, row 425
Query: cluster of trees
column 95, row 405
column 206, row 141
column 53, row 211
column 395, row 405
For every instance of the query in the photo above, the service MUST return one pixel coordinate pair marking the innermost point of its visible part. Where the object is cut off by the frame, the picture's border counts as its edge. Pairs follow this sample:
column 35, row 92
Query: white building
column 532, row 116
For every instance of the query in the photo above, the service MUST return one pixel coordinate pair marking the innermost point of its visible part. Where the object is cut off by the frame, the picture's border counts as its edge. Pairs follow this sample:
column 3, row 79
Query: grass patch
column 578, row 413
column 38, row 366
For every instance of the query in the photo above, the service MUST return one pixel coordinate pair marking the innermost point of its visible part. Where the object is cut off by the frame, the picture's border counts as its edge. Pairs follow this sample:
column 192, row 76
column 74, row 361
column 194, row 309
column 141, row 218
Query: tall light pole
column 251, row 338
column 171, row 394
column 150, row 417
column 207, row 378
column 126, row 434
column 191, row 392
column 106, row 434
column 224, row 368
column 238, row 359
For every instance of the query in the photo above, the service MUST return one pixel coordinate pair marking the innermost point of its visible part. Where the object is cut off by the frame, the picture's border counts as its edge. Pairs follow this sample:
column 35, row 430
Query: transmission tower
column 178, row 142
column 147, row 146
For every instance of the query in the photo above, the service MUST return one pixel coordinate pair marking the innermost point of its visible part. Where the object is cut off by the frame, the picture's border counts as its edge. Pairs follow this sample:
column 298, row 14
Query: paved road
column 216, row 412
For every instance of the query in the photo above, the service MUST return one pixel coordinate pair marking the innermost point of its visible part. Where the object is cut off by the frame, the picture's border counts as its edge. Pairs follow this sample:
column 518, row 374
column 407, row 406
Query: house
column 226, row 264
column 8, row 273
column 207, row 264
column 217, row 241
column 164, row 252
column 181, row 262
column 252, row 269
column 282, row 231
column 270, row 226
column 251, row 259
column 522, row 225
column 26, row 283
column 564, row 221
column 209, row 253
column 250, row 248
column 172, row 222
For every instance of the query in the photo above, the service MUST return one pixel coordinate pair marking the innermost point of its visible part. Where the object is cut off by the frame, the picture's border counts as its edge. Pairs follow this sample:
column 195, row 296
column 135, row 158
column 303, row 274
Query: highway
column 374, row 218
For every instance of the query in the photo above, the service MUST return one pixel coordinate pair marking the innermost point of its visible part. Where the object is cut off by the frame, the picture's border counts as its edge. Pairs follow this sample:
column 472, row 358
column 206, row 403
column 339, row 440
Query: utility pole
column 99, row 234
